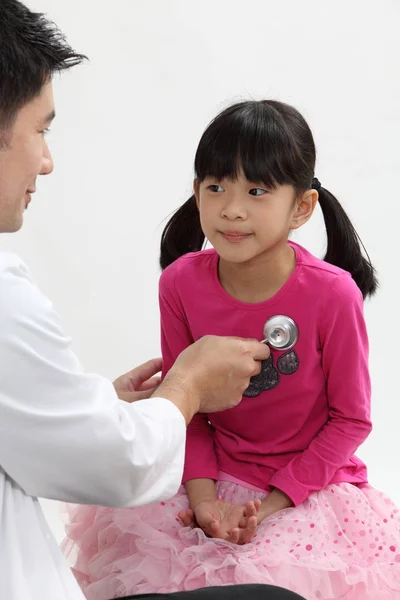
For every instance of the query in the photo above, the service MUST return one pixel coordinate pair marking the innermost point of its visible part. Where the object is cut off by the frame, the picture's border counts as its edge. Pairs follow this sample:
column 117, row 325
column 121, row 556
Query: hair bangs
column 247, row 138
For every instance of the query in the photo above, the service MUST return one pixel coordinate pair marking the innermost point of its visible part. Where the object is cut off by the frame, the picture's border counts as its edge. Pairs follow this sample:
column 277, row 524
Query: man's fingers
column 144, row 372
column 151, row 384
column 258, row 350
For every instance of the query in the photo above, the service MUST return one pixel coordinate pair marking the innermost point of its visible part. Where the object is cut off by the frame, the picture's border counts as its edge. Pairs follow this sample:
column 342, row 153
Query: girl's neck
column 260, row 278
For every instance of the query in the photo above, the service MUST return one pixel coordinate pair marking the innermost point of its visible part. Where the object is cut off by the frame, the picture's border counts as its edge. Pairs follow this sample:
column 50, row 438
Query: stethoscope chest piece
column 280, row 332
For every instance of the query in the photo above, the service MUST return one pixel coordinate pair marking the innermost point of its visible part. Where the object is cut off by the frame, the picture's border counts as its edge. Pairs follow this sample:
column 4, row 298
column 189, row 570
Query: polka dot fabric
column 343, row 542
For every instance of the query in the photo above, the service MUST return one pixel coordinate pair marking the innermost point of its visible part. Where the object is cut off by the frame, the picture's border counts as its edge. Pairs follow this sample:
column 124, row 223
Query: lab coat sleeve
column 64, row 434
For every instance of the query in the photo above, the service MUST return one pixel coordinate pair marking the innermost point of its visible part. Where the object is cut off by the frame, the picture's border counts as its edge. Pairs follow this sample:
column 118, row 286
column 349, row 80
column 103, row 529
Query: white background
column 124, row 140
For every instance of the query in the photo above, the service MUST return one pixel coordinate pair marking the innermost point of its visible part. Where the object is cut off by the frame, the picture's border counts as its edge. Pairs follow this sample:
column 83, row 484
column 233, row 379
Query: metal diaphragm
column 280, row 332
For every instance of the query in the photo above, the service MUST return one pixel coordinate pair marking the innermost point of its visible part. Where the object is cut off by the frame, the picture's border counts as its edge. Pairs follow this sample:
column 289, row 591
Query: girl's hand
column 219, row 519
column 272, row 504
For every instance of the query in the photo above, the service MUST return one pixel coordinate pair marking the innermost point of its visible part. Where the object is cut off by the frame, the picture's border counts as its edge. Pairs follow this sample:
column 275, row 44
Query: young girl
column 273, row 491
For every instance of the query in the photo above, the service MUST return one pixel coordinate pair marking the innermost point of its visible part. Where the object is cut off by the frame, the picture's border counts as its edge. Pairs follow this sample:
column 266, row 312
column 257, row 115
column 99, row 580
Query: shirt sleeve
column 200, row 458
column 344, row 347
column 64, row 434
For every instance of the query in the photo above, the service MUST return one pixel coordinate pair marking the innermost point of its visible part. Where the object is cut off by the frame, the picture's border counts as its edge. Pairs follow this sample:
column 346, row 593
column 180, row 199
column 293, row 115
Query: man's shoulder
column 11, row 263
column 13, row 274
column 18, row 292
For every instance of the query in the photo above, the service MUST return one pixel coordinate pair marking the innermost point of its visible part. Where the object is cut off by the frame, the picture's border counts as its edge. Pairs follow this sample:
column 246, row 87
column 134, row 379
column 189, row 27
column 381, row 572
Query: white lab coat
column 65, row 435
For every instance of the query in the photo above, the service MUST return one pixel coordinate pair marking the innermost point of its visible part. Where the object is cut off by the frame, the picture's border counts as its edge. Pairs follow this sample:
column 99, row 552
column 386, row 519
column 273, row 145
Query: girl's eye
column 257, row 192
column 215, row 188
column 45, row 131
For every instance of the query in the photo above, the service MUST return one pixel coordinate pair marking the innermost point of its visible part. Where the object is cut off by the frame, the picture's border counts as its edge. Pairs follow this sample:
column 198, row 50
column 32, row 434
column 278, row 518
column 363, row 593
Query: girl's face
column 243, row 220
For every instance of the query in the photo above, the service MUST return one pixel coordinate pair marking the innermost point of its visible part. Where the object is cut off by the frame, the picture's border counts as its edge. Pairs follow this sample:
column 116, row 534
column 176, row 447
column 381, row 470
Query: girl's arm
column 344, row 347
column 200, row 490
column 200, row 459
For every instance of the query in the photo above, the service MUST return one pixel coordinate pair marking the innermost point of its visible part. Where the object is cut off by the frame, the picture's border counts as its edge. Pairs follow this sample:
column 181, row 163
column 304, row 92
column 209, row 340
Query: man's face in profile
column 24, row 155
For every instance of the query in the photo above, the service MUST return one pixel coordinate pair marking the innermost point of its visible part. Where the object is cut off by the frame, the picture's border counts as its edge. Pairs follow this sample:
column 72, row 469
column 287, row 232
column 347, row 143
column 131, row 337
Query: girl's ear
column 304, row 208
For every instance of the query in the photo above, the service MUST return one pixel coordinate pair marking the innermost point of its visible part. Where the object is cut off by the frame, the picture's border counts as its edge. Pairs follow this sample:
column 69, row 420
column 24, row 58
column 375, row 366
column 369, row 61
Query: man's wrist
column 181, row 393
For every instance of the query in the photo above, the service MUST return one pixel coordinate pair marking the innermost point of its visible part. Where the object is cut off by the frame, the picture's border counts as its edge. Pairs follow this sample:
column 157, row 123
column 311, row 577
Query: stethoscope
column 280, row 333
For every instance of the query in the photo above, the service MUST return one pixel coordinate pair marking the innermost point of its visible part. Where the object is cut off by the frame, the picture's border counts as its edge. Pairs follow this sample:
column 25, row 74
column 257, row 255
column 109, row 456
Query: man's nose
column 47, row 161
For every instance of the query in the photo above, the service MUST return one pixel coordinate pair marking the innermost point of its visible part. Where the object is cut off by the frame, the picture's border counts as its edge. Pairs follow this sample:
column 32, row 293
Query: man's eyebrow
column 49, row 118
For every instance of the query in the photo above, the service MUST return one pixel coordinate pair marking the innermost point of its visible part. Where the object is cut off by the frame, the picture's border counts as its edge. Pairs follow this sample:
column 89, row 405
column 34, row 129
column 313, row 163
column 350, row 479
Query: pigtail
column 344, row 248
column 182, row 234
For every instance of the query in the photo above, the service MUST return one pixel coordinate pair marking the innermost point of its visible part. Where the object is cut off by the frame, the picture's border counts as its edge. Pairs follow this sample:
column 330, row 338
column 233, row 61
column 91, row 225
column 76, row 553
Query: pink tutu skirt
column 343, row 542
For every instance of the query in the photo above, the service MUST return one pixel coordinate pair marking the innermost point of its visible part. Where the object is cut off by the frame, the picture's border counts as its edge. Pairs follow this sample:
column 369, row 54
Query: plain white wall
column 124, row 139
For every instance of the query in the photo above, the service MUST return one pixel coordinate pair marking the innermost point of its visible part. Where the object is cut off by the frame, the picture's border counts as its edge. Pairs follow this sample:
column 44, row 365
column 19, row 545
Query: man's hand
column 140, row 383
column 219, row 519
column 212, row 374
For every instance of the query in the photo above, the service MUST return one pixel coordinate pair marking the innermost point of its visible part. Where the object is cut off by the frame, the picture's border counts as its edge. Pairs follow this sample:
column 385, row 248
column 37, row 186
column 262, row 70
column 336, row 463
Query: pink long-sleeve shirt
column 301, row 426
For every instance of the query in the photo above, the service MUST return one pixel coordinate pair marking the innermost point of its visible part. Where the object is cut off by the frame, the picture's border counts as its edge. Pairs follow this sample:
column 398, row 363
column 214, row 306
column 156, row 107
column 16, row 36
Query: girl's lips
column 234, row 236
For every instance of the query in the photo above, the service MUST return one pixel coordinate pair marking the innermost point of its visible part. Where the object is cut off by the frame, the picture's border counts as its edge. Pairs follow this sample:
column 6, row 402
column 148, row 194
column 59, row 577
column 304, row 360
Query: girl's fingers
column 187, row 518
column 234, row 536
column 249, row 532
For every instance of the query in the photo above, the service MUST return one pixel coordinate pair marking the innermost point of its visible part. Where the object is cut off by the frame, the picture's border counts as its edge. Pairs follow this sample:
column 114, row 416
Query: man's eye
column 45, row 131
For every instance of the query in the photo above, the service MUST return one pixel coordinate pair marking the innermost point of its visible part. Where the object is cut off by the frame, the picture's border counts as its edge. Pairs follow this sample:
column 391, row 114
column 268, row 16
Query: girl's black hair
column 269, row 142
